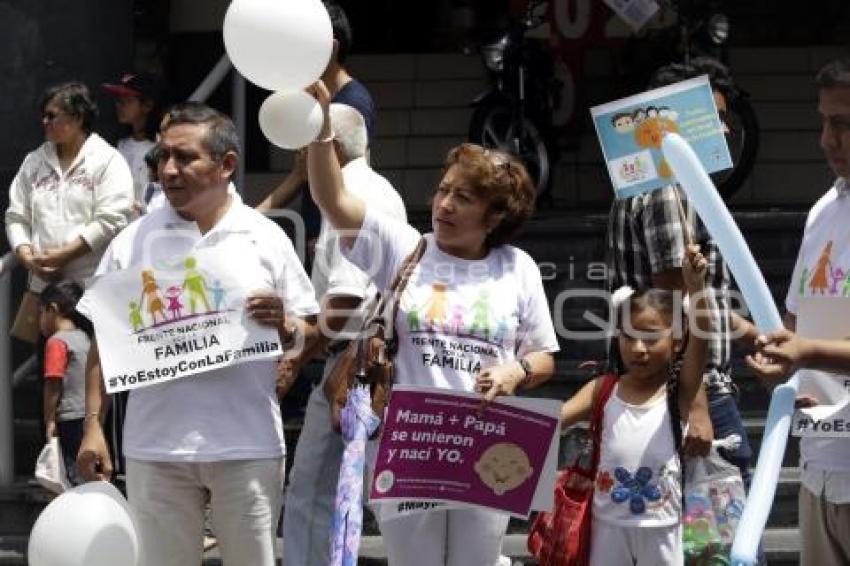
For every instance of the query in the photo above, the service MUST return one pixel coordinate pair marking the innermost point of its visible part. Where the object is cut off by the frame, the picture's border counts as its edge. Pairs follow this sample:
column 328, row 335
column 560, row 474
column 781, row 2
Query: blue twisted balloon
column 712, row 210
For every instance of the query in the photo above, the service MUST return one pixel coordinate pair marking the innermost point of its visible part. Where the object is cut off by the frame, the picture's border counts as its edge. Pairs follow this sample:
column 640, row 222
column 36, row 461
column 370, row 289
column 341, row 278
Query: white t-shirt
column 230, row 413
column 638, row 482
column 134, row 152
column 332, row 273
column 824, row 253
column 456, row 316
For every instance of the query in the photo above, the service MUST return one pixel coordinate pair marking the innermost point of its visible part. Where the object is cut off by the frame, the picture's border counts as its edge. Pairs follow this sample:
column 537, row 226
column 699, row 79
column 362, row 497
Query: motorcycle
column 702, row 30
column 515, row 113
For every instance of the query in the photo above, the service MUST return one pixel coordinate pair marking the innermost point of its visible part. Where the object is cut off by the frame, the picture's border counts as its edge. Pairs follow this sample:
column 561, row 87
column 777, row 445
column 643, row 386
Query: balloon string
column 687, row 221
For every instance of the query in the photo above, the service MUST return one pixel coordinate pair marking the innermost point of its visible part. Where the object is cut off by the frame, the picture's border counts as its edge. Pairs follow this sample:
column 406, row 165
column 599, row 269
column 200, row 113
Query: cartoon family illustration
column 168, row 306
column 433, row 316
column 648, row 126
column 825, row 278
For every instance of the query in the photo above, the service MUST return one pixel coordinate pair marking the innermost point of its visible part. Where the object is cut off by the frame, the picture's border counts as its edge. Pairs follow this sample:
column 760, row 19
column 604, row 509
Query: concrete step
column 782, row 548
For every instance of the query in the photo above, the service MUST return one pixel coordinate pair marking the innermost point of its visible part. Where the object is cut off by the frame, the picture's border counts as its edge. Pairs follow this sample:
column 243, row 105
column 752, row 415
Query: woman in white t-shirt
column 473, row 316
column 137, row 103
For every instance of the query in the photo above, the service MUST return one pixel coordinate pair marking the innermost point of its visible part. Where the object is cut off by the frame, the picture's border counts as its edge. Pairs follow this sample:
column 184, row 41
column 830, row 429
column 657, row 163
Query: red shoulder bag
column 562, row 537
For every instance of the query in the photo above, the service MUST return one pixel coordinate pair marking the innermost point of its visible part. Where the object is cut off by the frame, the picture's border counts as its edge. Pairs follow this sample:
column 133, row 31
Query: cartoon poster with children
column 436, row 448
column 630, row 131
column 155, row 325
column 820, row 317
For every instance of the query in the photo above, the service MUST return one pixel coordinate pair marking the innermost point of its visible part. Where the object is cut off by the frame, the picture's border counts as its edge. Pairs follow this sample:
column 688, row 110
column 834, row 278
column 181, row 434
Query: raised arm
column 699, row 327
column 343, row 210
column 285, row 192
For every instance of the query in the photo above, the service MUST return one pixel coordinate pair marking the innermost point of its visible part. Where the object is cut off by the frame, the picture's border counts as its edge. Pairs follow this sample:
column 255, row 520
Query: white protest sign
column 157, row 325
column 825, row 318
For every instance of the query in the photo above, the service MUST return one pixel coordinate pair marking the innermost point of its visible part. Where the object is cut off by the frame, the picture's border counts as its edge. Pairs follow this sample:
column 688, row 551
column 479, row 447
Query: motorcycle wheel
column 743, row 141
column 492, row 127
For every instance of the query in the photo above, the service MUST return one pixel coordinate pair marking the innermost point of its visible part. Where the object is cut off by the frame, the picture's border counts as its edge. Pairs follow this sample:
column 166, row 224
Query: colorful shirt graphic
column 456, row 316
column 638, row 480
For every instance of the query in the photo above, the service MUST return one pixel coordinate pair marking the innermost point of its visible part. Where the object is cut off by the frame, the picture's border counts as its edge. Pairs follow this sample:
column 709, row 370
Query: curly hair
column 501, row 179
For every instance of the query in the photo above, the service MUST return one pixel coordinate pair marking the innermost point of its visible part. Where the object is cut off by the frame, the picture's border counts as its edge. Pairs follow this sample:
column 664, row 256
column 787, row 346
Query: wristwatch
column 526, row 367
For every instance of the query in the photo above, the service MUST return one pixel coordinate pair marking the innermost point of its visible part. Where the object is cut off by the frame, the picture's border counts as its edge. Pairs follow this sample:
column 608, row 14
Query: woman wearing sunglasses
column 71, row 195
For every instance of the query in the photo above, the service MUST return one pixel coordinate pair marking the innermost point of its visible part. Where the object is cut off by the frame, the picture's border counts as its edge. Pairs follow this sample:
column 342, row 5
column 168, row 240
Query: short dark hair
column 65, row 294
column 341, row 29
column 718, row 75
column 503, row 181
column 834, row 73
column 221, row 135
column 73, row 98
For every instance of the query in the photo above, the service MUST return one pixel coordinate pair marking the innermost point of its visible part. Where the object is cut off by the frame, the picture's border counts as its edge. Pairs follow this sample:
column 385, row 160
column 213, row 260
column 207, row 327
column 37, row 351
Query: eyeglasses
column 50, row 116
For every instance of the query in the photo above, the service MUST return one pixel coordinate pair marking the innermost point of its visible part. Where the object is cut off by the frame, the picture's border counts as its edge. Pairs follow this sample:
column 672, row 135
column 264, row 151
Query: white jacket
column 92, row 199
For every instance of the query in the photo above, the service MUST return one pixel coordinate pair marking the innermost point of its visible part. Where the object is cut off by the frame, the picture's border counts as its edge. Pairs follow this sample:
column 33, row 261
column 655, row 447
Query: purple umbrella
column 358, row 423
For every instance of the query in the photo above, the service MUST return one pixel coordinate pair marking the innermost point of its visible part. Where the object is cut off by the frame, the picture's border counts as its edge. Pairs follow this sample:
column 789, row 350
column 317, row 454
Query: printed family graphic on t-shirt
column 825, row 278
column 193, row 296
column 455, row 330
column 438, row 316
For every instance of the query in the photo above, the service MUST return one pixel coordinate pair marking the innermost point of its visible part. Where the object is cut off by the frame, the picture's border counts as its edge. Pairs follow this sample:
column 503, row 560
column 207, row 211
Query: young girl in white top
column 637, row 507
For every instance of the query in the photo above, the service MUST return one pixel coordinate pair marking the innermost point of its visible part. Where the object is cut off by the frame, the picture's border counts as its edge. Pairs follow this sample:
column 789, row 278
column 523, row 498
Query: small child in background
column 637, row 506
column 68, row 337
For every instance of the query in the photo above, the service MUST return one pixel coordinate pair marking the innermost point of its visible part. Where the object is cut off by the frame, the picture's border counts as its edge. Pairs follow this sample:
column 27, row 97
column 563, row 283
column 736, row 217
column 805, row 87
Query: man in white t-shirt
column 821, row 274
column 344, row 291
column 218, row 436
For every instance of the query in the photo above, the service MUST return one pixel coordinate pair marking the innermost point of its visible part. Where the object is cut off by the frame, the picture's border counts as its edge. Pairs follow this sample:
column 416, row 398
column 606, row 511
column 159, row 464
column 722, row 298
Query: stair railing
column 237, row 106
column 9, row 261
column 7, row 423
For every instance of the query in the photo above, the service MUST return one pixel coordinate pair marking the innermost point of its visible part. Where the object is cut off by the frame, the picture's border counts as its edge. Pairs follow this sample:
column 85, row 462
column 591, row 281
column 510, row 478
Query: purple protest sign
column 434, row 447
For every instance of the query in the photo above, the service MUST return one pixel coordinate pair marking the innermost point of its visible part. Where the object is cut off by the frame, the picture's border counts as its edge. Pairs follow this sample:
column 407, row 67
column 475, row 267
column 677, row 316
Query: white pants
column 613, row 545
column 168, row 498
column 309, row 508
column 459, row 537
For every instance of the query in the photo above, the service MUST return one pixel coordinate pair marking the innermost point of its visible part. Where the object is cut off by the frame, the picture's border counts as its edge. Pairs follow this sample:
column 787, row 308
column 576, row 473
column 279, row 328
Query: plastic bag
column 50, row 468
column 714, row 502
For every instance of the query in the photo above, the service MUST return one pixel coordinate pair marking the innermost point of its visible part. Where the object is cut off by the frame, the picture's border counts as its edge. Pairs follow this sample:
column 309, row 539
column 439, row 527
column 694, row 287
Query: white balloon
column 290, row 119
column 89, row 525
column 278, row 44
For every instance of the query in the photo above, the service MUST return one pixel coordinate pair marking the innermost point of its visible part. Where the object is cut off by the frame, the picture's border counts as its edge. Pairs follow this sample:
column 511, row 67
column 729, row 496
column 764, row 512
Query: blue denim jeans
column 726, row 420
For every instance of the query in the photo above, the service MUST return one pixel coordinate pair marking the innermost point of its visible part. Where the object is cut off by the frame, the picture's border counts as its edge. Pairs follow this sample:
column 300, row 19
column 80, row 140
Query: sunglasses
column 50, row 116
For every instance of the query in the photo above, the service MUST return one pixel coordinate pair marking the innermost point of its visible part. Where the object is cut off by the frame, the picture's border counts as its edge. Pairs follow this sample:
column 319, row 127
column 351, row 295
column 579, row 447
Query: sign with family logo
column 155, row 325
column 630, row 131
column 435, row 448
column 824, row 318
